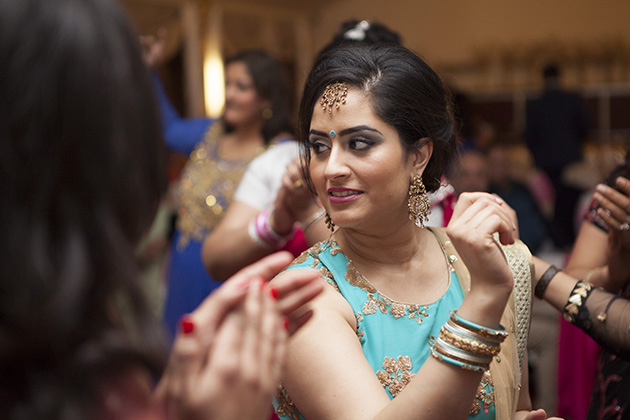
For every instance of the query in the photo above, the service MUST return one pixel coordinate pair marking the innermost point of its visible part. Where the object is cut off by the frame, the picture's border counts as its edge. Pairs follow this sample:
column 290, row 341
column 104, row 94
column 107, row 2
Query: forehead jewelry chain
column 334, row 96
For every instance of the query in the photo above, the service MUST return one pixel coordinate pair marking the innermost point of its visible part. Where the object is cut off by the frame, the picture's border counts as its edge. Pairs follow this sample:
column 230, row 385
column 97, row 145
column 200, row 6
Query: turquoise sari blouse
column 395, row 336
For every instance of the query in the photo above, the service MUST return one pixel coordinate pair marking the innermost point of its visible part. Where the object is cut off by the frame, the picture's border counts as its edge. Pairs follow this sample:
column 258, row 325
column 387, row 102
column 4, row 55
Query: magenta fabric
column 297, row 244
column 578, row 355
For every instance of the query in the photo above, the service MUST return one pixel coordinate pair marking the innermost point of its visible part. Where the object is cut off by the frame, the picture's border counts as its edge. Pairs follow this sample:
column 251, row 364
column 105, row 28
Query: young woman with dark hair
column 256, row 116
column 418, row 323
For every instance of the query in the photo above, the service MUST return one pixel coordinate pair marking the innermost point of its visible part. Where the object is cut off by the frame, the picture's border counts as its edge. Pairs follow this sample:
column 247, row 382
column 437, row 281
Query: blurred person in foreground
column 82, row 165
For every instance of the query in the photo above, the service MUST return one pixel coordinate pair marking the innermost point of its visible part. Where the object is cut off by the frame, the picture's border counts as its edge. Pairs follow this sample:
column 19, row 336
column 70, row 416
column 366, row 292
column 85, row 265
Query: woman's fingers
column 253, row 322
column 212, row 310
column 296, row 288
column 614, row 205
column 273, row 337
column 473, row 211
column 539, row 414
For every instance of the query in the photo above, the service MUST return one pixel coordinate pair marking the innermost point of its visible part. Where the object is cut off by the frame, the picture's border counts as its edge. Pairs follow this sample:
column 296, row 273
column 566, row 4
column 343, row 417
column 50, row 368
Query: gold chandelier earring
column 418, row 204
column 329, row 223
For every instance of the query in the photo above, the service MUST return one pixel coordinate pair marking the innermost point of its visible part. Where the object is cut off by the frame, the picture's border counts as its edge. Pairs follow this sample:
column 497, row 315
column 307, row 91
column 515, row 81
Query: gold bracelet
column 459, row 355
column 468, row 344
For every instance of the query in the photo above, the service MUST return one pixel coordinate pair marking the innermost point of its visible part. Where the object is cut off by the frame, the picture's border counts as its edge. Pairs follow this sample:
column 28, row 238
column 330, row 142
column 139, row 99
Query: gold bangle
column 459, row 355
column 456, row 329
column 469, row 344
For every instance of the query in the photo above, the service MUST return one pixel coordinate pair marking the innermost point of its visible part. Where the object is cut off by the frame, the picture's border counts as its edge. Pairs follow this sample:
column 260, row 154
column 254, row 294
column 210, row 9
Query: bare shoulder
column 329, row 303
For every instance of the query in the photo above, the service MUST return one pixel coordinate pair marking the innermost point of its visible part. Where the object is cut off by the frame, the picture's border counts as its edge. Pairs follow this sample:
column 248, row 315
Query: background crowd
column 131, row 294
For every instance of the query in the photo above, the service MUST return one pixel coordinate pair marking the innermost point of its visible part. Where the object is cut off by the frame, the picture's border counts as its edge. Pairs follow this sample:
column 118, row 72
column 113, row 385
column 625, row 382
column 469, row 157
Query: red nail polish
column 274, row 292
column 285, row 323
column 187, row 325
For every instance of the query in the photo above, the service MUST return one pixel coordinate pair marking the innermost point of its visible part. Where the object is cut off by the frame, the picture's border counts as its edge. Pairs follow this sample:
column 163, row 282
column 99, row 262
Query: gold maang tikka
column 334, row 96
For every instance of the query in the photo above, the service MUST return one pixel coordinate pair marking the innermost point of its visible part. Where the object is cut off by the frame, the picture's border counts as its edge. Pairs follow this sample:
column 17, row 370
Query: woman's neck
column 399, row 246
column 248, row 132
column 242, row 142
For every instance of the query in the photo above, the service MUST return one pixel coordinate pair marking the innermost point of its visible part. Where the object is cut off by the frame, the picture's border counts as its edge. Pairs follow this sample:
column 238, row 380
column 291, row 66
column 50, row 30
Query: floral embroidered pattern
column 301, row 258
column 397, row 374
column 484, row 398
column 377, row 302
column 285, row 407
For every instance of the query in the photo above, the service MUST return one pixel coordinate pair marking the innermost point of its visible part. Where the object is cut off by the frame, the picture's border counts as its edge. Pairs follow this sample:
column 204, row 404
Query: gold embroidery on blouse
column 334, row 285
column 378, row 302
column 334, row 247
column 301, row 258
column 397, row 374
column 484, row 398
column 207, row 186
column 359, row 317
column 285, row 405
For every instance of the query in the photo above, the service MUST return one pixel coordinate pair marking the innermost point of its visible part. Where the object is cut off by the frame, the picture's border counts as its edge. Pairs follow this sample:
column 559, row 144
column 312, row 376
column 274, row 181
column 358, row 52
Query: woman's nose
column 337, row 164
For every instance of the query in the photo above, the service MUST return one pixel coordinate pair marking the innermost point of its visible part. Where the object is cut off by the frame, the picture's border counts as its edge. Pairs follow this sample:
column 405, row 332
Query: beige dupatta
column 506, row 368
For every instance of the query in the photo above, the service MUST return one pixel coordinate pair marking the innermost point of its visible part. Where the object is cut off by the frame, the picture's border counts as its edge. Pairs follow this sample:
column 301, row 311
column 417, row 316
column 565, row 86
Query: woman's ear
column 423, row 154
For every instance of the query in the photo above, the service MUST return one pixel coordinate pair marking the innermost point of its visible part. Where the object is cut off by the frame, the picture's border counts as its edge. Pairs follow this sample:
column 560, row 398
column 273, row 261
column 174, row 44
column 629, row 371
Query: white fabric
column 436, row 217
column 263, row 178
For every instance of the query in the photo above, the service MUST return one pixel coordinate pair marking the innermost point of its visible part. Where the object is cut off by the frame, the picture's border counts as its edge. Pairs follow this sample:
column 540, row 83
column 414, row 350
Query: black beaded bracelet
column 542, row 284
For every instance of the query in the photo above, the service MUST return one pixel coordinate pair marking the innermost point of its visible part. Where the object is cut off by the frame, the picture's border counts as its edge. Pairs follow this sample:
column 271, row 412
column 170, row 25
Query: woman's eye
column 360, row 144
column 317, row 147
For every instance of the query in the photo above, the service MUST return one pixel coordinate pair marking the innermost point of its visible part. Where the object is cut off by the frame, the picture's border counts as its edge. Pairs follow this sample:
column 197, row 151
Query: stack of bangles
column 261, row 232
column 467, row 345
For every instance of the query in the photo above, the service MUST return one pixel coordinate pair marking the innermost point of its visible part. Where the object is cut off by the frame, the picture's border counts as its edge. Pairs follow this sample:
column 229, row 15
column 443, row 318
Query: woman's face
column 243, row 105
column 361, row 173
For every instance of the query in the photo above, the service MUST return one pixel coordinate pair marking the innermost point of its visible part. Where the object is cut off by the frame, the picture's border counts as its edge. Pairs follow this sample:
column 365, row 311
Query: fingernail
column 601, row 188
column 187, row 325
column 273, row 292
column 285, row 323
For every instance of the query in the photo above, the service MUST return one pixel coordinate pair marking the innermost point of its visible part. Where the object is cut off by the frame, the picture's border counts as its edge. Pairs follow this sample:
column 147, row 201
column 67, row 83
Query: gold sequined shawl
column 506, row 374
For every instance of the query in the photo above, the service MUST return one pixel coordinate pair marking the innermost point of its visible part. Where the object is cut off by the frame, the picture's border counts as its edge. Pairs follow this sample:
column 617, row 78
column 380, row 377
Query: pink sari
column 578, row 355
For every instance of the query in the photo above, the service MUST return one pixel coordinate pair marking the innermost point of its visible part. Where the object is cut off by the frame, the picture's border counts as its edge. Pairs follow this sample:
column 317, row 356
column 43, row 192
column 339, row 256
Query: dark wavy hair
column 270, row 84
column 362, row 32
column 403, row 91
column 82, row 169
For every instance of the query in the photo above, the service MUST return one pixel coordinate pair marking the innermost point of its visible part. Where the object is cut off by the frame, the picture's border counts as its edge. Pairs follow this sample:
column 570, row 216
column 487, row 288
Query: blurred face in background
column 243, row 105
column 499, row 166
column 470, row 173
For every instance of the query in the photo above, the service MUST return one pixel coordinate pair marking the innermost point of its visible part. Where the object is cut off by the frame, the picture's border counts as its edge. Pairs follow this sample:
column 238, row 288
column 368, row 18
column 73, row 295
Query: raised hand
column 614, row 209
column 294, row 202
column 152, row 47
column 478, row 220
column 231, row 348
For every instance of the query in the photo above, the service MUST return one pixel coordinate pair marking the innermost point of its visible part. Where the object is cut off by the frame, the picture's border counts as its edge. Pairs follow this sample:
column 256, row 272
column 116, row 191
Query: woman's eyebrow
column 351, row 130
column 319, row 133
column 347, row 131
